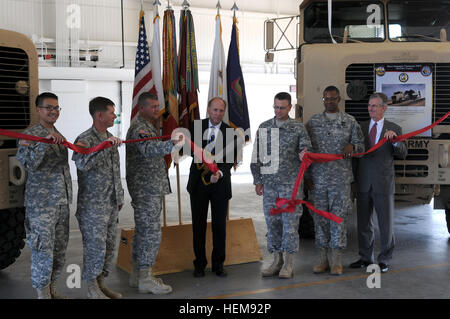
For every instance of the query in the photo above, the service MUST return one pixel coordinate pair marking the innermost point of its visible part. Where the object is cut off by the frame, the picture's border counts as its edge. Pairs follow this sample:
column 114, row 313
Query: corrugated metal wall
column 96, row 26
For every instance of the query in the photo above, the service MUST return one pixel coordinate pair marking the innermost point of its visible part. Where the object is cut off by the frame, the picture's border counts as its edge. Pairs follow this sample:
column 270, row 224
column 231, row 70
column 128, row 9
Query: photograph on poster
column 405, row 94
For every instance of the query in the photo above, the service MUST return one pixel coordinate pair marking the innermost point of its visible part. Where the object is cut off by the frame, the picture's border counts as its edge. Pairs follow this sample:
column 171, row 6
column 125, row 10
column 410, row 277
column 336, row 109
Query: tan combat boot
column 323, row 265
column 54, row 293
column 94, row 292
column 275, row 267
column 288, row 267
column 149, row 284
column 336, row 262
column 106, row 291
column 44, row 293
column 133, row 281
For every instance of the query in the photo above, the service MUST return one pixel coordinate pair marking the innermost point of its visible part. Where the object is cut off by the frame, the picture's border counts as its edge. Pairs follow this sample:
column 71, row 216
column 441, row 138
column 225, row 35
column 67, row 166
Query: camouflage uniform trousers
column 282, row 229
column 147, row 232
column 336, row 200
column 99, row 231
column 47, row 230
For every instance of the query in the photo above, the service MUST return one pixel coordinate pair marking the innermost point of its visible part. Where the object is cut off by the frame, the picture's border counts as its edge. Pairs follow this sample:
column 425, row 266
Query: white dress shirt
column 213, row 129
column 380, row 125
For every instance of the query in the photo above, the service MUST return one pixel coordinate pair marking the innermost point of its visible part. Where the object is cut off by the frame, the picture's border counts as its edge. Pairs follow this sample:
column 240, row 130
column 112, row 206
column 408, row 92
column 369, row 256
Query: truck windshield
column 362, row 21
column 418, row 20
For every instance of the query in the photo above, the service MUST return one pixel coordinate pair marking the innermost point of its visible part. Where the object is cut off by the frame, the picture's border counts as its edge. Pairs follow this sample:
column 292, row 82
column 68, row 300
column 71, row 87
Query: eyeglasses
column 281, row 108
column 50, row 108
column 330, row 99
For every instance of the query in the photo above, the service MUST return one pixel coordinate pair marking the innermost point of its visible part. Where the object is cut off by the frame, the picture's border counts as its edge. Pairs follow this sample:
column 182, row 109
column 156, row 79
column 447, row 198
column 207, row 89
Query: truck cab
column 390, row 46
column 18, row 90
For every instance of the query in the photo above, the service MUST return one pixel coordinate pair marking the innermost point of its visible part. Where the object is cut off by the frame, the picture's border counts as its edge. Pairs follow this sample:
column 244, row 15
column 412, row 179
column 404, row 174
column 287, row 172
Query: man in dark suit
column 204, row 187
column 376, row 186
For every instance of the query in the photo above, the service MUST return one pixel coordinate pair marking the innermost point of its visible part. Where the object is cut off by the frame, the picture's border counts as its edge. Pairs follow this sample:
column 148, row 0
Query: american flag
column 143, row 81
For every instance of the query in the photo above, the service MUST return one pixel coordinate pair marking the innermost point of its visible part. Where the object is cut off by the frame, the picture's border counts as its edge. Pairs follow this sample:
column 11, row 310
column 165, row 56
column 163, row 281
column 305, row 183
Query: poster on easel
column 409, row 88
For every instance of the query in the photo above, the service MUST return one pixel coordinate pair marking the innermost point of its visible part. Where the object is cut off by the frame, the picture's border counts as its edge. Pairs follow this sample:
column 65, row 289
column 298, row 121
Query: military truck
column 18, row 90
column 398, row 97
column 411, row 95
column 388, row 46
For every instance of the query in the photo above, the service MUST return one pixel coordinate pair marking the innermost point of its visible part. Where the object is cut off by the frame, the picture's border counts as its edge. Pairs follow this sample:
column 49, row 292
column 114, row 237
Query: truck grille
column 14, row 89
column 441, row 92
column 358, row 109
column 411, row 171
column 402, row 169
column 366, row 73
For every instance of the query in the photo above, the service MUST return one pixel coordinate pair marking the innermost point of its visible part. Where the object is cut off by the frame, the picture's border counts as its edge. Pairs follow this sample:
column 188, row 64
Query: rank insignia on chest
column 143, row 134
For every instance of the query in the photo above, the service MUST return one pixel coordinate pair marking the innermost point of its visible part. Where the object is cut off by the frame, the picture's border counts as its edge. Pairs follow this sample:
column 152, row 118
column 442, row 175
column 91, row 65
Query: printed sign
column 409, row 88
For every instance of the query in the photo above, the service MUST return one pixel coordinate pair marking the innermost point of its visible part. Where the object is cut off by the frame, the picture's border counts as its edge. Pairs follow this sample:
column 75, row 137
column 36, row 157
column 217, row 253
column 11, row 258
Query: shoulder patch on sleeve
column 24, row 143
column 144, row 134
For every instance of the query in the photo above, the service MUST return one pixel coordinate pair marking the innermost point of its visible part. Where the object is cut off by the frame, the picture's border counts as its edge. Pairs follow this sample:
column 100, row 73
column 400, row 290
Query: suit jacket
column 376, row 169
column 224, row 183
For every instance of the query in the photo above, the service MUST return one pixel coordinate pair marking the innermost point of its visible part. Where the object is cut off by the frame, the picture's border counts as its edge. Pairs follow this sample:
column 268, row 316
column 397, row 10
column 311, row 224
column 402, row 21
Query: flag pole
column 158, row 122
column 185, row 6
column 234, row 8
column 177, row 165
column 156, row 5
column 218, row 6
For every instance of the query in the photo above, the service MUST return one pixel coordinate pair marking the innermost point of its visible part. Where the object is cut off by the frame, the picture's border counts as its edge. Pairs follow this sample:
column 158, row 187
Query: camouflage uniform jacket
column 292, row 139
column 98, row 172
column 48, row 174
column 331, row 137
column 146, row 168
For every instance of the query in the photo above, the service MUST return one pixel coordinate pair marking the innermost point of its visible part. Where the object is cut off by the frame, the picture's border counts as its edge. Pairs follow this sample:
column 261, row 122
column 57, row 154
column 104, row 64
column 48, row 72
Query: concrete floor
column 420, row 268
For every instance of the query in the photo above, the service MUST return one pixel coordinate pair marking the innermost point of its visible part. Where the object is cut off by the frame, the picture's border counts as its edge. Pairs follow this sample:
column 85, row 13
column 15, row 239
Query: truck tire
column 12, row 235
column 306, row 227
column 447, row 216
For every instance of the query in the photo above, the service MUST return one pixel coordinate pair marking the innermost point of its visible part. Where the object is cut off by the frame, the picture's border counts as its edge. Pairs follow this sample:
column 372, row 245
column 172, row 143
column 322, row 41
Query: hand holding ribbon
column 107, row 144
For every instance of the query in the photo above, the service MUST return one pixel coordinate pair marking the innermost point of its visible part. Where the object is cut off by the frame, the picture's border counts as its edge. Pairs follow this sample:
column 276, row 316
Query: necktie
column 211, row 140
column 373, row 134
column 212, row 137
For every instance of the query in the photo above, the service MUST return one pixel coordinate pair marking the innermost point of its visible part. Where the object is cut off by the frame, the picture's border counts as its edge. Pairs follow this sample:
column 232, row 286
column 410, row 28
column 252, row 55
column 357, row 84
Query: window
column 418, row 20
column 364, row 22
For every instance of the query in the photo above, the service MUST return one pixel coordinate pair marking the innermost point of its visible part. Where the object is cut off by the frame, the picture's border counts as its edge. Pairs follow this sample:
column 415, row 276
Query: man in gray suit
column 375, row 185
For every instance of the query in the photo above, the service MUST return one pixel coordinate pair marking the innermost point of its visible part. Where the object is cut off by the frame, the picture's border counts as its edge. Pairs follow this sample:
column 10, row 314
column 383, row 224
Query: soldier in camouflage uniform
column 274, row 167
column 333, row 132
column 48, row 193
column 147, row 183
column 100, row 197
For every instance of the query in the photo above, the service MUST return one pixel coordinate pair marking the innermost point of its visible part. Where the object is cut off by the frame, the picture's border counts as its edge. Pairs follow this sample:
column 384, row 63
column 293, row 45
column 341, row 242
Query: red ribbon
column 310, row 158
column 200, row 153
column 107, row 144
